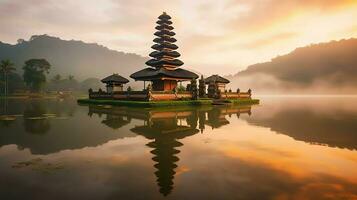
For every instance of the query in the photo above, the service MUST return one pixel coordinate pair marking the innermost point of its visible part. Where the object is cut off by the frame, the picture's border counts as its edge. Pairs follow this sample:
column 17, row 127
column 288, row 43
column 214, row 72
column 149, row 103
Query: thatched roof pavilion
column 115, row 78
column 114, row 83
column 218, row 82
column 216, row 79
column 163, row 66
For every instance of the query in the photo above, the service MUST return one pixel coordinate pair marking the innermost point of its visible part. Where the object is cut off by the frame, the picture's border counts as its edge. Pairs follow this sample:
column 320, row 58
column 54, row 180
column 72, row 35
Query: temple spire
column 164, row 55
column 163, row 69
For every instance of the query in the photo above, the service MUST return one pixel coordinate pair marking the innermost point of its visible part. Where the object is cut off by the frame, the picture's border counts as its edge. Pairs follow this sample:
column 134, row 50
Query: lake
column 284, row 148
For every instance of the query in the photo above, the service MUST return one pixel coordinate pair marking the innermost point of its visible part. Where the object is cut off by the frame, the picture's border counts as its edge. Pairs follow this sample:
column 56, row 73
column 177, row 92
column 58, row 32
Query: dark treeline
column 35, row 78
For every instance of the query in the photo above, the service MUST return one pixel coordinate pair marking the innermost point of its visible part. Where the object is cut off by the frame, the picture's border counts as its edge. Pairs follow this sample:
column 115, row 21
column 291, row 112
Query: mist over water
column 268, row 84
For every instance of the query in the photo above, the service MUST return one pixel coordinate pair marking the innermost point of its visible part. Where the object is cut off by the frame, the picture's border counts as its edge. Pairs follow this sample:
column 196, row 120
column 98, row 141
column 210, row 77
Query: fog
column 267, row 84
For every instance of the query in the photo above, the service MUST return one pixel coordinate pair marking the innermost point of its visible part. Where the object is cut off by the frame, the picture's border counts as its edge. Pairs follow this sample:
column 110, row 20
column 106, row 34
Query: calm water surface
column 285, row 148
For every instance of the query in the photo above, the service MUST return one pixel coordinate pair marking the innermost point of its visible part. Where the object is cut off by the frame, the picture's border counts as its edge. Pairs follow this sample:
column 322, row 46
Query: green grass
column 199, row 102
column 243, row 101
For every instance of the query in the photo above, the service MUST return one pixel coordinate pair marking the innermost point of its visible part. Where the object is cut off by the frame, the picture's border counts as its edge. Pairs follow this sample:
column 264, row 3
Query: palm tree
column 6, row 67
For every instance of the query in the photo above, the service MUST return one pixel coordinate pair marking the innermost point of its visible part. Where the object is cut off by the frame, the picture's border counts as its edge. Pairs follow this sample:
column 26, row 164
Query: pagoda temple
column 163, row 69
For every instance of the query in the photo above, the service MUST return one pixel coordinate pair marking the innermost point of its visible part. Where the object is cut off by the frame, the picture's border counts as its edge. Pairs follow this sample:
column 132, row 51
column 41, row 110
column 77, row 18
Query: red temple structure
column 163, row 71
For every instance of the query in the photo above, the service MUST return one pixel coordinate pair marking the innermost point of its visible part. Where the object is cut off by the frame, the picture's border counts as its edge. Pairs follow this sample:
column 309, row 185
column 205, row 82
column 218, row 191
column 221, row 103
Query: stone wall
column 142, row 95
column 148, row 95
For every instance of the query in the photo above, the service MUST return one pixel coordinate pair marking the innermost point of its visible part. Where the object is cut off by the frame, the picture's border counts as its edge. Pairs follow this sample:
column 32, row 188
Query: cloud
column 263, row 14
column 228, row 33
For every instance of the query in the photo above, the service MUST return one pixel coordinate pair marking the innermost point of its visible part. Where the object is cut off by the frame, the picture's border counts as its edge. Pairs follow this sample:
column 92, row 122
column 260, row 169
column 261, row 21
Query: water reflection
column 49, row 126
column 333, row 124
column 35, row 119
column 165, row 128
column 115, row 118
column 181, row 153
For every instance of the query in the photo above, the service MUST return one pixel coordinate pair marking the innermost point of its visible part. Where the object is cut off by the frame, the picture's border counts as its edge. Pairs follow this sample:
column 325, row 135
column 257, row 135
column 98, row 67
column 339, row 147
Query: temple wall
column 164, row 85
column 235, row 95
column 184, row 95
column 120, row 95
column 163, row 97
column 100, row 95
column 141, row 95
column 160, row 95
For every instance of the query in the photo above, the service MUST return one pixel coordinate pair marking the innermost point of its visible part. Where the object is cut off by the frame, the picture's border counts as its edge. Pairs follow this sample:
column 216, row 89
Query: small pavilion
column 219, row 81
column 114, row 83
column 163, row 69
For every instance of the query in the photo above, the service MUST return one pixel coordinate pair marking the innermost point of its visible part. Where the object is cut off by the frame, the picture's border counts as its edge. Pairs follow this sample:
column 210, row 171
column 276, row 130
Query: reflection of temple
column 112, row 119
column 165, row 132
column 217, row 116
column 166, row 128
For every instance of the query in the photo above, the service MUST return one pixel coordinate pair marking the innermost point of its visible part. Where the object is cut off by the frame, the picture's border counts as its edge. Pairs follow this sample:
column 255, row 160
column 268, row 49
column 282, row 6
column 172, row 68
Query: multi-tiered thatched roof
column 164, row 60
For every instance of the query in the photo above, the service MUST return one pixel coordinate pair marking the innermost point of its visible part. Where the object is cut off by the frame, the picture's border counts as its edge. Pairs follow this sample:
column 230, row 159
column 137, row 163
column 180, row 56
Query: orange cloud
column 263, row 14
column 221, row 35
column 269, row 40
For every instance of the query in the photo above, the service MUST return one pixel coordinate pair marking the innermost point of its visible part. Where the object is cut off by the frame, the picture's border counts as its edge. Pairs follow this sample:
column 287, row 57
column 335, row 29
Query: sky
column 213, row 36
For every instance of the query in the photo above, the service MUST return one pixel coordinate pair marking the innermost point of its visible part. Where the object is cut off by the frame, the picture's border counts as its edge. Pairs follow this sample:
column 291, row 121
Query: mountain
column 83, row 60
column 319, row 68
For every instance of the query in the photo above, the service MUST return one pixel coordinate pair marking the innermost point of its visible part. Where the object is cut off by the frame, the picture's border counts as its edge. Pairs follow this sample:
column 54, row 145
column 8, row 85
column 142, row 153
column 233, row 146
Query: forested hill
column 326, row 67
column 76, row 58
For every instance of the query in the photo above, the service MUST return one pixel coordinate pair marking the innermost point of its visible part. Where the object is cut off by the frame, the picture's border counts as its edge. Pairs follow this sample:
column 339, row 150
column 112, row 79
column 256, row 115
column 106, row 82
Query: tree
column 6, row 67
column 129, row 89
column 212, row 89
column 34, row 73
column 194, row 89
column 14, row 82
column 201, row 87
column 57, row 78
